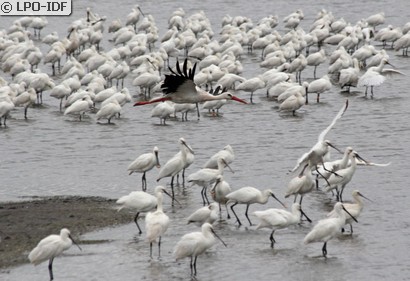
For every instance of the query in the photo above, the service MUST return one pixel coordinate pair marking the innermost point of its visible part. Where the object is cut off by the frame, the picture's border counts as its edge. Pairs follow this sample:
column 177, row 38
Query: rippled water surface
column 52, row 154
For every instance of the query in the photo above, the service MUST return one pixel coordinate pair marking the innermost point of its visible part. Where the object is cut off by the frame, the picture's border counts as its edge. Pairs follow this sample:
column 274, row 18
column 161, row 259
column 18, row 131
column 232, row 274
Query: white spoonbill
column 251, row 85
column 179, row 87
column 144, row 163
column 156, row 224
column 109, row 110
column 219, row 192
column 176, row 164
column 278, row 219
column 80, row 106
column 141, row 202
column 5, row 107
column 249, row 195
column 50, row 247
column 292, row 103
column 205, row 214
column 343, row 176
column 334, row 165
column 354, row 209
column 301, row 185
column 207, row 176
column 328, row 228
column 375, row 76
column 316, row 154
column 227, row 153
column 194, row 244
column 163, row 111
column 319, row 86
column 25, row 99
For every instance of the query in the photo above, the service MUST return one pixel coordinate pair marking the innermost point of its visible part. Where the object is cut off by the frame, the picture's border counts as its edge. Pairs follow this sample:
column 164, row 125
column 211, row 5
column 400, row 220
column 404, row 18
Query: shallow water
column 52, row 154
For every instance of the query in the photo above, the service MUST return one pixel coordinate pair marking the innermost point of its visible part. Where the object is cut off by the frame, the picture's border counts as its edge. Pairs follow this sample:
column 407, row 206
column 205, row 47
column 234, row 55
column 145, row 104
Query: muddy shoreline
column 24, row 224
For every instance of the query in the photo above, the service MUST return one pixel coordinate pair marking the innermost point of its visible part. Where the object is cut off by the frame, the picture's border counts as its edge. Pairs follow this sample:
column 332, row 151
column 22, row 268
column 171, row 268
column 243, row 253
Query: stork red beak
column 239, row 100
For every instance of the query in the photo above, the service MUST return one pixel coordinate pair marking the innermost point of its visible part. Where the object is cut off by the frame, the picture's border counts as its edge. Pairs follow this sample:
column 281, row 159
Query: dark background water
column 51, row 154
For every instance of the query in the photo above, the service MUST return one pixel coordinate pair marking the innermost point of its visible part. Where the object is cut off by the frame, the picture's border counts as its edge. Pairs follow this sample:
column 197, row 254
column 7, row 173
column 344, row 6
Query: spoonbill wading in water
column 51, row 247
column 144, row 163
column 328, row 228
column 249, row 195
column 179, row 87
column 316, row 154
column 194, row 244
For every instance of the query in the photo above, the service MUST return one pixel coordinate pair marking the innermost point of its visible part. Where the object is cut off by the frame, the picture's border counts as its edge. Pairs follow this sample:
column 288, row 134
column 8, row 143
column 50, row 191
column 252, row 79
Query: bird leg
column 197, row 110
column 272, row 240
column 50, row 268
column 246, row 214
column 324, row 251
column 237, row 219
column 195, row 265
column 204, row 197
column 351, row 229
column 172, row 189
column 191, row 265
column 227, row 213
column 144, row 182
column 150, row 250
column 159, row 247
column 136, row 222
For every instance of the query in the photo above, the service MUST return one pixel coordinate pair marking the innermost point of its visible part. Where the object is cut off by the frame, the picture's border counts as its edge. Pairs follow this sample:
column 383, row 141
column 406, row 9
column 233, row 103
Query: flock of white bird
column 89, row 76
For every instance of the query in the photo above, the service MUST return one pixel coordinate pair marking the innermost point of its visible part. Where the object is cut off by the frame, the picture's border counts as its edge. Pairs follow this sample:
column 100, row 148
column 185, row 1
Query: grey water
column 52, row 154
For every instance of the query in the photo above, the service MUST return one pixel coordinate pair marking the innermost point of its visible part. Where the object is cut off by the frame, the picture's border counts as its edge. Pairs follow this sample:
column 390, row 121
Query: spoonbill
column 109, row 110
column 328, row 228
column 344, row 176
column 144, row 163
column 156, row 223
column 227, row 153
column 176, row 164
column 141, row 202
column 179, row 87
column 249, row 195
column 278, row 219
column 219, row 191
column 80, row 106
column 316, row 154
column 292, row 103
column 375, row 76
column 205, row 214
column 300, row 185
column 354, row 208
column 194, row 244
column 207, row 176
column 50, row 247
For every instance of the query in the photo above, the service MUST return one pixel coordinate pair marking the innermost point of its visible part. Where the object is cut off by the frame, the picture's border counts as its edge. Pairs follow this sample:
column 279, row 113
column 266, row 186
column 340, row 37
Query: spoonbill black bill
column 50, row 247
column 194, row 244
